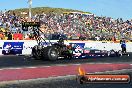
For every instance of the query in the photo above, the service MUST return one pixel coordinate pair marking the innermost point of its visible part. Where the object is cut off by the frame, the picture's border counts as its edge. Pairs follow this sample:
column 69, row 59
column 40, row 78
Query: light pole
column 30, row 7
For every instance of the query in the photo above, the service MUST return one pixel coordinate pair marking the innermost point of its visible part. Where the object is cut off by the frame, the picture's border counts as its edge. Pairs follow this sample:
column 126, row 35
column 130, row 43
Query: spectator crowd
column 74, row 25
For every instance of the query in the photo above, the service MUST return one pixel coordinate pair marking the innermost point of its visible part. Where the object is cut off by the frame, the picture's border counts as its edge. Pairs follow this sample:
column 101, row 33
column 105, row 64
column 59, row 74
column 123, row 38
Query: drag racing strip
column 9, row 68
column 124, row 71
column 20, row 62
column 46, row 66
column 68, row 81
column 55, row 71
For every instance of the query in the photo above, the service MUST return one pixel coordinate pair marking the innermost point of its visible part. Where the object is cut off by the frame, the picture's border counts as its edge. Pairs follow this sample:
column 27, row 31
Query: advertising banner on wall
column 77, row 48
column 12, row 48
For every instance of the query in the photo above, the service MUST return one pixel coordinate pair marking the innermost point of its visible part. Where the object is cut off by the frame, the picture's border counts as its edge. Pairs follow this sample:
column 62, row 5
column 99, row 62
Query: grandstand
column 75, row 24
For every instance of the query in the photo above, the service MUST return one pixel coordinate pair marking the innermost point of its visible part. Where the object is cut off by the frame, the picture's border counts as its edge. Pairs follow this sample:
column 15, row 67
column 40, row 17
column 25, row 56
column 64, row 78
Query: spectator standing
column 20, row 36
column 15, row 36
column 9, row 36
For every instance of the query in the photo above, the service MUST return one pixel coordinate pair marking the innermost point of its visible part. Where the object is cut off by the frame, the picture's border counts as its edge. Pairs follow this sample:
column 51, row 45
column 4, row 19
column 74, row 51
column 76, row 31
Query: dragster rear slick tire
column 50, row 53
column 35, row 54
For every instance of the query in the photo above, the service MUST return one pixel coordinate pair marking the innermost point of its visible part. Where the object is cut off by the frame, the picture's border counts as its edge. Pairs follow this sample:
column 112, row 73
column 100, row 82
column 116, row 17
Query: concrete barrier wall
column 28, row 44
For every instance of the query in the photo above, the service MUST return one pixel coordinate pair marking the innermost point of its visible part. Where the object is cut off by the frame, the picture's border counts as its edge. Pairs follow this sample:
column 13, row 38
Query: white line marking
column 37, row 79
column 122, row 70
column 17, row 68
column 37, row 66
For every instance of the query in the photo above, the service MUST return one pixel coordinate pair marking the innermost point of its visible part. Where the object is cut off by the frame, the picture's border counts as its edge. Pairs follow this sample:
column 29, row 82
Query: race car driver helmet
column 61, row 41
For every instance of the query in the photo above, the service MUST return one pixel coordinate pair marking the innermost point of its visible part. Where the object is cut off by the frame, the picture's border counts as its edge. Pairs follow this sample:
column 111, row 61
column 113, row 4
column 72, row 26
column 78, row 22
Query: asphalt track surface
column 25, row 61
column 63, row 82
column 66, row 82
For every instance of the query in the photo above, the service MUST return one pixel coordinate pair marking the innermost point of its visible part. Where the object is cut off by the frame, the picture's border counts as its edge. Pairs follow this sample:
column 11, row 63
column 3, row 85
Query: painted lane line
column 37, row 79
column 61, row 65
column 36, row 67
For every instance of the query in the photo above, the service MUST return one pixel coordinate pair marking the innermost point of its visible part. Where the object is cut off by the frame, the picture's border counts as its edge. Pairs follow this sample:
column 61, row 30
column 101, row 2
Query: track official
column 123, row 45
